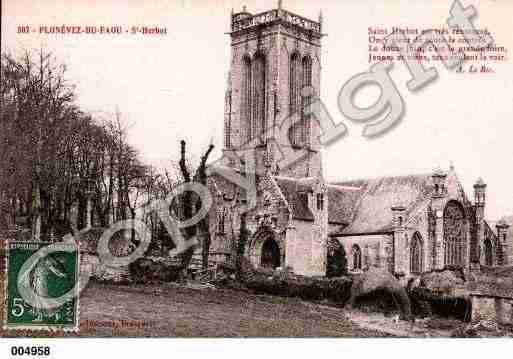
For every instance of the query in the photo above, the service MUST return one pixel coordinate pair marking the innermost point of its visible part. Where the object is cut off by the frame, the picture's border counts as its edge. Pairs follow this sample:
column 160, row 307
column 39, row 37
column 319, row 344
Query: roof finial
column 320, row 16
column 502, row 223
column 279, row 4
column 438, row 172
column 451, row 165
column 244, row 8
column 480, row 182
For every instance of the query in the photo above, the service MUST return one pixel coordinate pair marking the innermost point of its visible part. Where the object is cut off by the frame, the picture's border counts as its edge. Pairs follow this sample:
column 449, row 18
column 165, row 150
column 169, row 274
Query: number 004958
column 30, row 351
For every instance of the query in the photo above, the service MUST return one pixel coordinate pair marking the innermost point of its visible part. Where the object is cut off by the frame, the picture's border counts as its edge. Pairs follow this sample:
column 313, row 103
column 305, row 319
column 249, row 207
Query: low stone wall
column 91, row 264
column 492, row 310
column 503, row 308
column 483, row 309
column 492, row 299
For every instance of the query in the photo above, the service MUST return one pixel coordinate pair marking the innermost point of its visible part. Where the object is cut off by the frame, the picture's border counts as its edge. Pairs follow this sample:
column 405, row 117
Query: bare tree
column 35, row 90
column 189, row 204
column 55, row 157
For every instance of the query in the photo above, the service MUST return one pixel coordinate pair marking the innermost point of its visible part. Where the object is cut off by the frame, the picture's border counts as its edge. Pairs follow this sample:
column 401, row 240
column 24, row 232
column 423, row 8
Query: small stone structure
column 492, row 300
column 90, row 262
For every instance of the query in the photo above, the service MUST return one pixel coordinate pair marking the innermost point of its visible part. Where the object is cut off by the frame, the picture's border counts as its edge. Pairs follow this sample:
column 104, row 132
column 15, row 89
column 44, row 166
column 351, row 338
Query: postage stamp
column 41, row 284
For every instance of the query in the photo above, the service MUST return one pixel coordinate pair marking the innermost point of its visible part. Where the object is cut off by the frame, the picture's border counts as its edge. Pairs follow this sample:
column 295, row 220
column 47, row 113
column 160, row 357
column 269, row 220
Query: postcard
column 255, row 169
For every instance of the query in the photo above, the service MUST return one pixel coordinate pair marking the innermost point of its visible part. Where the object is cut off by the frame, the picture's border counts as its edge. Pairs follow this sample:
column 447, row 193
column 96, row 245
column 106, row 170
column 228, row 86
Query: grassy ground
column 178, row 311
column 173, row 311
column 185, row 312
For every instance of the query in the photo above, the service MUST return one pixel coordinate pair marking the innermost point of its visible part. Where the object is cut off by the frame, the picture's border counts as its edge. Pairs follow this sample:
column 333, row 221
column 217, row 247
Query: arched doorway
column 488, row 249
column 416, row 254
column 266, row 249
column 336, row 264
column 270, row 257
column 455, row 234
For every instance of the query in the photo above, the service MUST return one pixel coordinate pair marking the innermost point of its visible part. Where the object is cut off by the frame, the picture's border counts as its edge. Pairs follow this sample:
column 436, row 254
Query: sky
column 169, row 87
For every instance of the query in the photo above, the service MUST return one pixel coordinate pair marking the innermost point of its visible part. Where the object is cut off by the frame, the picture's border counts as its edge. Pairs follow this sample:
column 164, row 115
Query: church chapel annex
column 406, row 224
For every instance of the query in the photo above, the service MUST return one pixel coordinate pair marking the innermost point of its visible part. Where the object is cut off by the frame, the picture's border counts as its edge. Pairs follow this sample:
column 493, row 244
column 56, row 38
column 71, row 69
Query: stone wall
column 483, row 309
column 492, row 310
column 372, row 249
column 492, row 299
column 301, row 253
column 503, row 308
column 91, row 264
column 307, row 247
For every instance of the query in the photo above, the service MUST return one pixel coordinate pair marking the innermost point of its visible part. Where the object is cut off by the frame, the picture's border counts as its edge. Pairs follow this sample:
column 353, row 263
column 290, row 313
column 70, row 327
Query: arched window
column 295, row 96
column 228, row 120
column 221, row 221
column 259, row 103
column 488, row 249
column 306, row 100
column 416, row 254
column 455, row 236
column 320, row 201
column 246, row 97
column 357, row 257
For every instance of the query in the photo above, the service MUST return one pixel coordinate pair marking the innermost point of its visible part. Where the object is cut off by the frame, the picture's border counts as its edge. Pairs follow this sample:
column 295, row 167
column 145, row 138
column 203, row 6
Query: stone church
column 406, row 224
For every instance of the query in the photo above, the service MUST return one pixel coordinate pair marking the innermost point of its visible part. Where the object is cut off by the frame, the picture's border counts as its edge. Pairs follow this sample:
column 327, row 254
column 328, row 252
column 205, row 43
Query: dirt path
column 400, row 328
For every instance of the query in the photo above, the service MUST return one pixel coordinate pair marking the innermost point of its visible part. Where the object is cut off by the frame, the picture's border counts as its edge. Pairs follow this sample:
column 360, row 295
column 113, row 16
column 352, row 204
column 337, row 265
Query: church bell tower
column 275, row 56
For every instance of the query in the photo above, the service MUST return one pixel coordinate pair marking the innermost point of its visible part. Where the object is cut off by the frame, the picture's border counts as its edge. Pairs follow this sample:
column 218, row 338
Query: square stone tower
column 274, row 74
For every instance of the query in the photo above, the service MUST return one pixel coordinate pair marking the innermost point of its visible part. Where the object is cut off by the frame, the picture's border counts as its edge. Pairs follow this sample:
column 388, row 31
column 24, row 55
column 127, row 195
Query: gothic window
column 227, row 121
column 306, row 100
column 295, row 96
column 357, row 257
column 303, row 198
column 221, row 222
column 246, row 96
column 455, row 237
column 416, row 254
column 488, row 252
column 320, row 201
column 258, row 122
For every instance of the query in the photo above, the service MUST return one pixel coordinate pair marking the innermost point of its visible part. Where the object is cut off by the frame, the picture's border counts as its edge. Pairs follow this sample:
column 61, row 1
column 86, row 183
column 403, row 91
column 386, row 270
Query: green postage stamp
column 42, row 286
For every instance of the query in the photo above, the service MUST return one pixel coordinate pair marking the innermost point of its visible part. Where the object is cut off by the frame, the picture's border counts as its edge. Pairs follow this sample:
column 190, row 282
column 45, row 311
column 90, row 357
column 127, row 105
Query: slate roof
column 341, row 203
column 364, row 205
column 341, row 199
column 292, row 189
column 372, row 211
